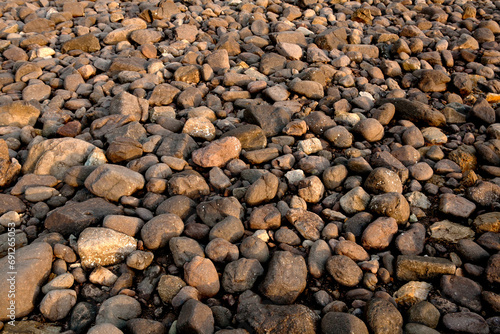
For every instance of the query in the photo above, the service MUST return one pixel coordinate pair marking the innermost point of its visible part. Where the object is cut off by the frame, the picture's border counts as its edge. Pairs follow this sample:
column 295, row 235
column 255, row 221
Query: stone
column 465, row 322
column 383, row 180
column 265, row 217
column 456, row 205
column 355, row 200
column 285, row 278
column 307, row 223
column 195, row 317
column 448, row 231
column 370, row 129
column 269, row 318
column 113, row 181
column 463, row 291
column 201, row 274
column 378, row 234
column 383, row 317
column 413, row 267
column 157, row 232
column 56, row 156
column 73, row 218
column 339, row 136
column 344, row 270
column 392, row 205
column 117, row 310
column 241, row 275
column 218, row 153
column 184, row 249
column 412, row 241
column 412, row 293
column 188, row 183
column 57, row 304
column 86, row 43
column 262, row 190
column 213, row 211
column 103, row 246
column 33, row 265
column 251, row 136
column 417, row 112
column 9, row 168
column 169, row 286
column 487, row 222
column 424, row 313
column 270, row 119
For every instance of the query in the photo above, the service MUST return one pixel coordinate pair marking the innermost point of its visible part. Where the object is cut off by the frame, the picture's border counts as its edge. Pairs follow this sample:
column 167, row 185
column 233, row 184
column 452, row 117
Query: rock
column 272, row 120
column 424, row 313
column 18, row 113
column 355, row 200
column 493, row 269
column 218, row 153
column 318, row 255
column 64, row 281
column 310, row 89
column 383, row 180
column 57, row 304
column 465, row 322
column 157, row 232
column 169, row 286
column 56, row 156
column 105, row 328
column 117, row 310
column 417, row 112
column 392, row 205
column 487, row 222
column 342, row 323
column 250, row 136
column 213, row 211
column 344, row 270
column 113, row 182
column 31, row 326
column 383, row 317
column 184, row 249
column 73, row 218
column 432, row 80
column 412, row 293
column 188, row 183
column 378, row 234
column 86, row 43
column 285, row 278
column 451, row 232
column 262, row 190
column 483, row 193
column 456, row 205
column 370, row 129
column 103, row 246
column 195, row 317
column 414, row 328
column 269, row 318
column 307, row 223
column 463, row 291
column 82, row 316
column 352, row 250
column 241, row 275
column 201, row 274
column 412, row 267
column 33, row 265
column 412, row 241
column 339, row 136
column 264, row 218
column 9, row 168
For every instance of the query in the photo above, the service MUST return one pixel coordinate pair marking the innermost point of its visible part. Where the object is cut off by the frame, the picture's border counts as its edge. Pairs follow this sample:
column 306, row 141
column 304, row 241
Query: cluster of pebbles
column 236, row 166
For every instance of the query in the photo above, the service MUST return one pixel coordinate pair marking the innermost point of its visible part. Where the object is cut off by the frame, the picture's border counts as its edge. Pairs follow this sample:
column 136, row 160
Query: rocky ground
column 245, row 166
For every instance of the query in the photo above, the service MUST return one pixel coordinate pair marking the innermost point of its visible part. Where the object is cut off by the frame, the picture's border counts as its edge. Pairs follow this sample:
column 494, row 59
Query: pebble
column 260, row 143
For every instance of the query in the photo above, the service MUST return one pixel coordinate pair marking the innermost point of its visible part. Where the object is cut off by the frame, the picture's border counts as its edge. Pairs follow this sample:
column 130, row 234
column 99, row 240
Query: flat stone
column 414, row 268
